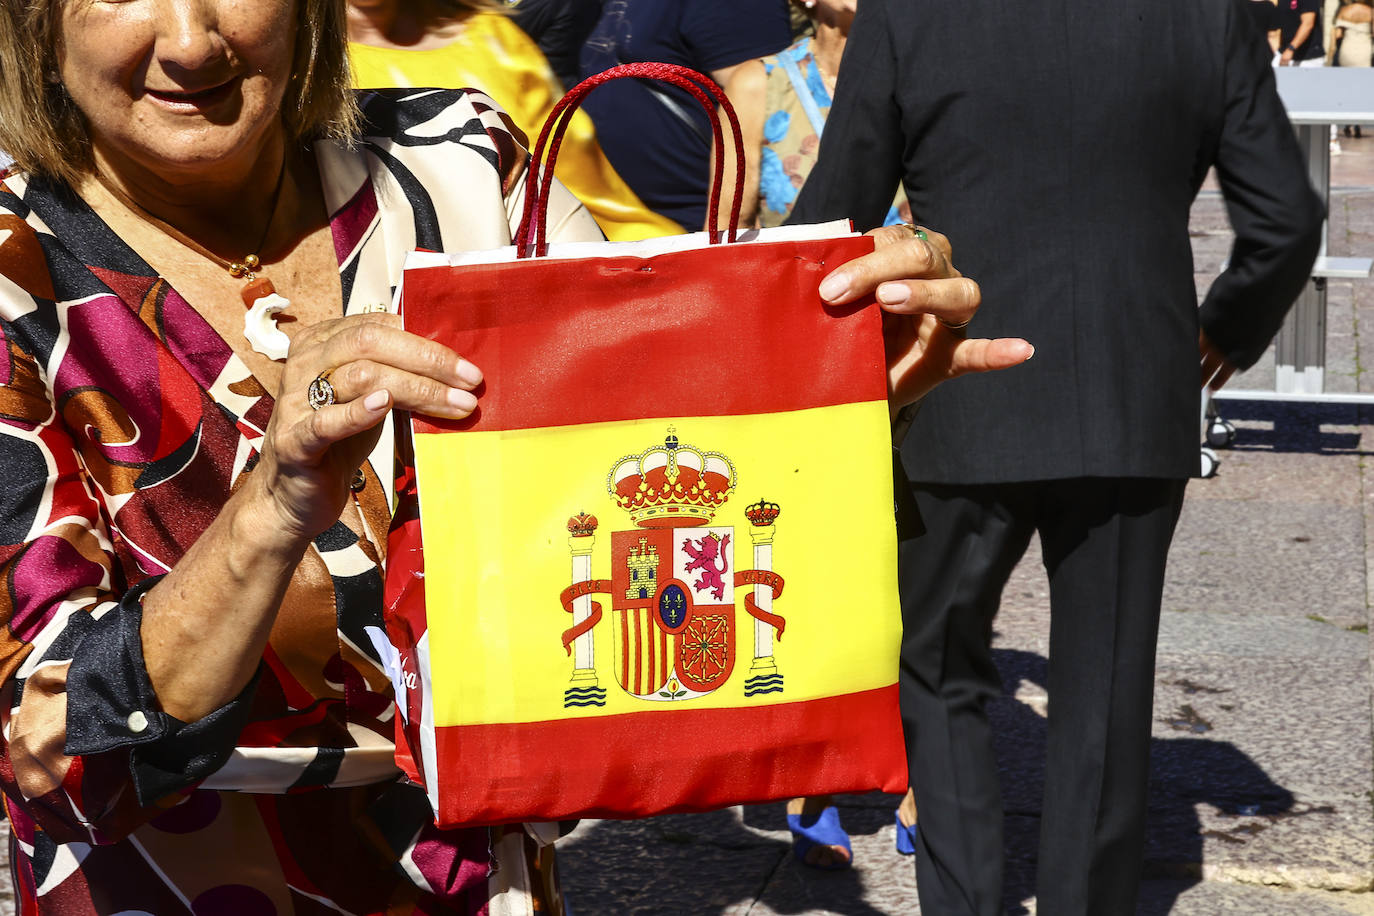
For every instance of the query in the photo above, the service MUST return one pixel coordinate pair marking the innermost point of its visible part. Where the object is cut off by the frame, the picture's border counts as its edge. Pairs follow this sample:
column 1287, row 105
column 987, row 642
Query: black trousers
column 1105, row 542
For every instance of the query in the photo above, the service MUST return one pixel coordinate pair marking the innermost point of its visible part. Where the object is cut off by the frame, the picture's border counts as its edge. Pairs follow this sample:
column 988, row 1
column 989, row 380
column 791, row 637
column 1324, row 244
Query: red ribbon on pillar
column 575, row 591
column 761, row 577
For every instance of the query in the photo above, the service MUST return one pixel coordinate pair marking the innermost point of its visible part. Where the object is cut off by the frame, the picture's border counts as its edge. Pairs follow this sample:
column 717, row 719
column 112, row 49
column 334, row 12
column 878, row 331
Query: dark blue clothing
column 560, row 27
column 656, row 135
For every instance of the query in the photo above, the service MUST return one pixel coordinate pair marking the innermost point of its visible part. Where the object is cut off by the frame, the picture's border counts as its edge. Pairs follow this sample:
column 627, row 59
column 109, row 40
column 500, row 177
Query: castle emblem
column 673, row 583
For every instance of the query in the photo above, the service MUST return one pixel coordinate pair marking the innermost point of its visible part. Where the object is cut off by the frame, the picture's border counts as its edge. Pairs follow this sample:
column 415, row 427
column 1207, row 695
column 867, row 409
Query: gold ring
column 952, row 326
column 321, row 392
column 915, row 231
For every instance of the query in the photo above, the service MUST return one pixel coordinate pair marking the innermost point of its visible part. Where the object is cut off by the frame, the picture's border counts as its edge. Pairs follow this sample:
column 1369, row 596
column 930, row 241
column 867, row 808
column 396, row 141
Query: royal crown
column 671, row 485
column 762, row 513
column 582, row 525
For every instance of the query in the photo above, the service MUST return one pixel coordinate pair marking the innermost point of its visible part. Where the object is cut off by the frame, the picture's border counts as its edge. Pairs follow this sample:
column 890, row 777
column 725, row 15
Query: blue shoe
column 824, row 830
column 906, row 838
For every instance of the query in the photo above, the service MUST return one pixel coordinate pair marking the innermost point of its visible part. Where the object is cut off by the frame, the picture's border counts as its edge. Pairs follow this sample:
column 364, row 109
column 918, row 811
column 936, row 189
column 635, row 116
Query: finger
column 884, row 236
column 408, row 390
column 1205, row 373
column 312, row 335
column 391, row 346
column 940, row 242
column 988, row 355
column 904, row 232
column 913, row 259
column 1212, row 363
column 953, row 301
column 318, row 430
column 1221, row 376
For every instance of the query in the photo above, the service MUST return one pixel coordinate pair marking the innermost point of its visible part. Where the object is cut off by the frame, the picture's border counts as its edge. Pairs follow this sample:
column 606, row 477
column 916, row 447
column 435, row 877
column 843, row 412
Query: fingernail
column 468, row 372
column 893, row 293
column 377, row 400
column 834, row 286
column 463, row 400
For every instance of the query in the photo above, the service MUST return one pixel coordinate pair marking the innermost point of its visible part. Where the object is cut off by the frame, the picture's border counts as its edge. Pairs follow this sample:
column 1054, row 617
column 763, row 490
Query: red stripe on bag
column 639, row 650
column 651, row 645
column 624, row 647
column 638, row 764
column 524, row 324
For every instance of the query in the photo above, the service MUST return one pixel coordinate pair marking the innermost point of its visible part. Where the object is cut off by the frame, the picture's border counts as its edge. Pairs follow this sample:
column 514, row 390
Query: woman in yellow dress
column 472, row 43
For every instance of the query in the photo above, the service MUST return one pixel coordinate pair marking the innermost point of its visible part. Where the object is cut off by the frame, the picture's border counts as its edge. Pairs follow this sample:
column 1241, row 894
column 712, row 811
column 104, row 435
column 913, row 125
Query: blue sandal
column 824, row 830
column 906, row 837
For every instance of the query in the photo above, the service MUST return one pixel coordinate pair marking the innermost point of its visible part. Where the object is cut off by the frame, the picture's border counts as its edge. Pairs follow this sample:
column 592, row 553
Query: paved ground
column 1263, row 796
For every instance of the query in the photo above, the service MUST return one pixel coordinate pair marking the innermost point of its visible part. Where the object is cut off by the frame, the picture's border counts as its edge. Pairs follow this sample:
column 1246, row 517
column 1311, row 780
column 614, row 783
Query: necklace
column 828, row 79
column 827, row 40
column 259, row 295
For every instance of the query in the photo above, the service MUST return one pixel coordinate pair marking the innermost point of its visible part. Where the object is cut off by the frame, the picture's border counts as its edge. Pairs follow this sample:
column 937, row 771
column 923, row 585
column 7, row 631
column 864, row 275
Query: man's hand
column 1216, row 368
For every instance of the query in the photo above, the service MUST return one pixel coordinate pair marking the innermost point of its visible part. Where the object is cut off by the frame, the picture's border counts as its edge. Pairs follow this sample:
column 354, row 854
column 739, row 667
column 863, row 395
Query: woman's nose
column 187, row 35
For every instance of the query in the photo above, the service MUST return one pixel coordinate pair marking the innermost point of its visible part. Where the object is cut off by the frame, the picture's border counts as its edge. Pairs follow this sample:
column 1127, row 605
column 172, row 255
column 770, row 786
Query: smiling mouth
column 201, row 98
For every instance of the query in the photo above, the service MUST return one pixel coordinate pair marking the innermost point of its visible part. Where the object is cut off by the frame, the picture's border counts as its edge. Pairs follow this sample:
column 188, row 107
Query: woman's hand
column 205, row 625
column 372, row 366
column 927, row 303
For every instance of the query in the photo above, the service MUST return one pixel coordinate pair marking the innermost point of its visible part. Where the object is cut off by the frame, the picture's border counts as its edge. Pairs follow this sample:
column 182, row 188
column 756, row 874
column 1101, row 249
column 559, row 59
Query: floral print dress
column 796, row 104
column 125, row 423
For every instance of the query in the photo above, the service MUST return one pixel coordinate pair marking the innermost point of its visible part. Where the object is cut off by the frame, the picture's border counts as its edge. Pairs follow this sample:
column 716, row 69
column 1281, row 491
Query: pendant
column 259, row 326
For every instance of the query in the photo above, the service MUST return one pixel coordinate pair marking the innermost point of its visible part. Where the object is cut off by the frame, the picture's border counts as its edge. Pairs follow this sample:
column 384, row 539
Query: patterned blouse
column 125, row 423
column 796, row 104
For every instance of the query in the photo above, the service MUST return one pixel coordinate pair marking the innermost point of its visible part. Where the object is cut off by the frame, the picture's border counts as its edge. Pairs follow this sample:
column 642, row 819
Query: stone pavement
column 1263, row 795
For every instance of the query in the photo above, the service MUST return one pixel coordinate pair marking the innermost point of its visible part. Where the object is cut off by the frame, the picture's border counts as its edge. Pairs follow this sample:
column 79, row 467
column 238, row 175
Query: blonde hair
column 44, row 132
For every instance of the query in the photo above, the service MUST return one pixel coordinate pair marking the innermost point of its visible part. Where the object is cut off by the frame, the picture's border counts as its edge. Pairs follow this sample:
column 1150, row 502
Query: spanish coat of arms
column 673, row 583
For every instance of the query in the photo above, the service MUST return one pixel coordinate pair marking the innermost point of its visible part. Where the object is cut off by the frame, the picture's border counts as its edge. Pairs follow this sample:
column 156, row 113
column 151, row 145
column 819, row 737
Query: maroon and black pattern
column 125, row 423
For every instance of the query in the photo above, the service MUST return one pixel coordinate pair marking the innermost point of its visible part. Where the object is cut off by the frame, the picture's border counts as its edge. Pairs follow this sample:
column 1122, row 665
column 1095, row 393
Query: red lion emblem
column 704, row 556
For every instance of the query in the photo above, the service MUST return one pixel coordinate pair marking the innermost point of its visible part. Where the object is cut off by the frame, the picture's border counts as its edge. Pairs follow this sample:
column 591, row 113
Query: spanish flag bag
column 656, row 570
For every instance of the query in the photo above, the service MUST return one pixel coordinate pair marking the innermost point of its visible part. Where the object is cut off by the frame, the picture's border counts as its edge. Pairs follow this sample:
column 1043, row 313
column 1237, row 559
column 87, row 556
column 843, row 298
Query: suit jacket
column 1059, row 144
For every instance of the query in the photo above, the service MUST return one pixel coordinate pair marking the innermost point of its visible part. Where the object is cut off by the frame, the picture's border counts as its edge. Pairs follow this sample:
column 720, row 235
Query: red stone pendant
column 255, row 290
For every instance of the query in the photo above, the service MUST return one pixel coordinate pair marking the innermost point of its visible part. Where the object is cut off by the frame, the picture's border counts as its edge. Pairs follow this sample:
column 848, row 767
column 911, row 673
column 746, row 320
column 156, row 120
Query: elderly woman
column 194, row 717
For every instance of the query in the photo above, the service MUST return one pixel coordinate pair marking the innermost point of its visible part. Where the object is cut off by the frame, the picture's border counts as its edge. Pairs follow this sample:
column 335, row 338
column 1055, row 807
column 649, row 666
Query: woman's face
column 180, row 87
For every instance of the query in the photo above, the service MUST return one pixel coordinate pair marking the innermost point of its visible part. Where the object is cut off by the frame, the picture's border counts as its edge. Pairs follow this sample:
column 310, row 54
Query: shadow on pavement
column 715, row 863
column 681, row 864
column 1184, row 773
column 1297, row 426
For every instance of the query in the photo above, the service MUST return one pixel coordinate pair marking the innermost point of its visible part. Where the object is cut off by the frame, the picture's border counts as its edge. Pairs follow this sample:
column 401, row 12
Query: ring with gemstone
column 321, row 392
column 916, row 231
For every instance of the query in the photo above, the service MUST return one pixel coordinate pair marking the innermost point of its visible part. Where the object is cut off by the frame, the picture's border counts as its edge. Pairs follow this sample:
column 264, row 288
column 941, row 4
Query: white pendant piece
column 260, row 327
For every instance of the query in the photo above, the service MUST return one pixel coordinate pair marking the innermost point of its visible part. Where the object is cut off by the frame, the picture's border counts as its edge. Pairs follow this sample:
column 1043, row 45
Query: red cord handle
column 532, row 236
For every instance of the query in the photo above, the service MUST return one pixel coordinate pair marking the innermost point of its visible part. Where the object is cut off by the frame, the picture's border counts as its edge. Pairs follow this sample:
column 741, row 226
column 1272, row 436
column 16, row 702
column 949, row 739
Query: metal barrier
column 1315, row 98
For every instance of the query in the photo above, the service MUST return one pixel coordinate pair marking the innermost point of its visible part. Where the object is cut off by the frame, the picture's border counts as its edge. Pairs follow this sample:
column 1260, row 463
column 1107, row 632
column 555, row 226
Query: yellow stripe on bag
column 493, row 593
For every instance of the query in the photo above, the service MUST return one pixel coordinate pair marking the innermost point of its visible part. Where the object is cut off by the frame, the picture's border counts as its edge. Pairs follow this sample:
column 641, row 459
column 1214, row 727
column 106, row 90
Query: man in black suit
column 1059, row 145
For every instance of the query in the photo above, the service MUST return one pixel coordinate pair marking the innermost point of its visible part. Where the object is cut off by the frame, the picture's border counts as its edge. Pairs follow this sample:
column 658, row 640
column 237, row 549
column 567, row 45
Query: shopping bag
column 656, row 569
